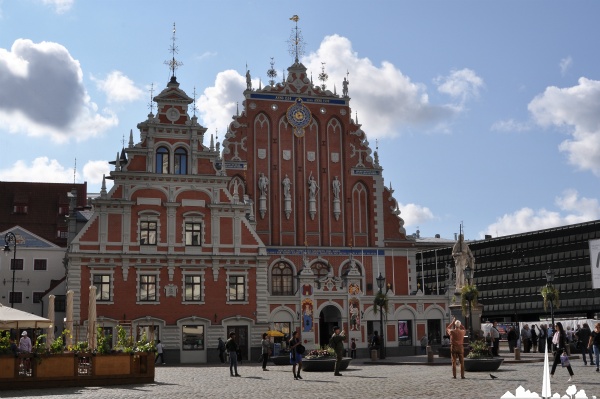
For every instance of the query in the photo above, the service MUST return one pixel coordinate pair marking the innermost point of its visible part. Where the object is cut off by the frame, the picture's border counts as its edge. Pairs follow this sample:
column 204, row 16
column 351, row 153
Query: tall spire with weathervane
column 173, row 63
column 296, row 41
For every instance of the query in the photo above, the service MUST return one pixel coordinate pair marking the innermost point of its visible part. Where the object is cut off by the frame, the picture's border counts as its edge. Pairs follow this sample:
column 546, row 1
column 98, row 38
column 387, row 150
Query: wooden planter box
column 52, row 366
column 324, row 364
column 7, row 366
column 116, row 364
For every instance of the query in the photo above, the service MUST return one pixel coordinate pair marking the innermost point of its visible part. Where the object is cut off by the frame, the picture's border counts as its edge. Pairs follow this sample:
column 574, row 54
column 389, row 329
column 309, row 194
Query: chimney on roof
column 437, row 236
column 488, row 236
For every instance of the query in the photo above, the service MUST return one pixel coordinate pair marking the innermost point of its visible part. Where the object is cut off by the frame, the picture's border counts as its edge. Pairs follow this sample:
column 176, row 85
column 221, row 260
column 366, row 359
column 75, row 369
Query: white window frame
column 237, row 273
column 94, row 270
column 147, row 272
column 202, row 287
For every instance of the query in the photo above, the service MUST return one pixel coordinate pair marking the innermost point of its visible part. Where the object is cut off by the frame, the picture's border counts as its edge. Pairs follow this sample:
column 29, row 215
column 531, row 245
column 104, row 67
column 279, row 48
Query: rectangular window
column 40, row 264
column 102, row 284
column 16, row 297
column 148, row 288
column 37, row 297
column 60, row 303
column 16, row 264
column 193, row 288
column 192, row 338
column 237, row 288
column 148, row 233
column 20, row 209
column 193, row 234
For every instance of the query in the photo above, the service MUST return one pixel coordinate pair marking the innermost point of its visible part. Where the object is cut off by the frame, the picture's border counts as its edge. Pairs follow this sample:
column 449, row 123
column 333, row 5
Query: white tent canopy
column 13, row 318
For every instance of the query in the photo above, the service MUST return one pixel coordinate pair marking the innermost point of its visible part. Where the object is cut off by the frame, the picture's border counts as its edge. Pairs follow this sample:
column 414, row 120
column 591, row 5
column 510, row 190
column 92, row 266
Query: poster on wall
column 307, row 315
column 595, row 262
column 404, row 333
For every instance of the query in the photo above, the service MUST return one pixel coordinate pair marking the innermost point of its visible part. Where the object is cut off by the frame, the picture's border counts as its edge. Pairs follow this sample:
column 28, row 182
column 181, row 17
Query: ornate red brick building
column 287, row 229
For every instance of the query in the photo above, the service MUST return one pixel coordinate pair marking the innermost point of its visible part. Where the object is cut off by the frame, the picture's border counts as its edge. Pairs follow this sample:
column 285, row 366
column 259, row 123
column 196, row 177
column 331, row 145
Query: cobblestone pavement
column 405, row 377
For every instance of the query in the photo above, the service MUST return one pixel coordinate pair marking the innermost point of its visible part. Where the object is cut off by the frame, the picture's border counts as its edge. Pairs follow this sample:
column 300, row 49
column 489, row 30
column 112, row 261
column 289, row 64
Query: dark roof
column 43, row 201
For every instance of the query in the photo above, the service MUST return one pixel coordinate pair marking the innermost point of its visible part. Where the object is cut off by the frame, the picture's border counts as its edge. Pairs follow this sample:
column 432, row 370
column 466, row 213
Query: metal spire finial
column 194, row 103
column 296, row 42
column 323, row 76
column 272, row 73
column 173, row 63
column 151, row 103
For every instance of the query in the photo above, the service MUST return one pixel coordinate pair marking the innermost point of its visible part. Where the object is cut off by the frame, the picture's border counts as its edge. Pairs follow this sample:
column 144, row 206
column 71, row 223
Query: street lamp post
column 469, row 297
column 380, row 285
column 550, row 296
column 8, row 239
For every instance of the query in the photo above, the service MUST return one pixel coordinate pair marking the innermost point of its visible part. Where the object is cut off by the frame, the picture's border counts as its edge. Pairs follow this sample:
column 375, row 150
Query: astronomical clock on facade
column 285, row 227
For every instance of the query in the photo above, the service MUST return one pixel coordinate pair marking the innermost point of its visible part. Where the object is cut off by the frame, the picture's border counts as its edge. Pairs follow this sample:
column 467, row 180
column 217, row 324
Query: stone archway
column 329, row 317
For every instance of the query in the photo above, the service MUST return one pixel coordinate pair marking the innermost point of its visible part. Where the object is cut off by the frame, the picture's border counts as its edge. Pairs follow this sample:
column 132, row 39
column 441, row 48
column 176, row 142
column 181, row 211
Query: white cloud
column 42, row 169
column 43, row 95
column 415, row 215
column 118, row 88
column 384, row 112
column 60, row 6
column 218, row 103
column 511, row 125
column 576, row 109
column 572, row 209
column 565, row 64
column 94, row 170
column 462, row 85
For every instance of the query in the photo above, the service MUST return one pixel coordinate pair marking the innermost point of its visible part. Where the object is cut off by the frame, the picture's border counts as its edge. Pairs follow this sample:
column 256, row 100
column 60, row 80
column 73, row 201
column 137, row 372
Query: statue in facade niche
column 336, row 184
column 463, row 257
column 287, row 184
column 312, row 187
column 263, row 183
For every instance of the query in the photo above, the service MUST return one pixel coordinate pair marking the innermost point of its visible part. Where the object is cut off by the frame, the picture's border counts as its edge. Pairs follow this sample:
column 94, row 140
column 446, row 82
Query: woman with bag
column 595, row 344
column 296, row 352
column 560, row 340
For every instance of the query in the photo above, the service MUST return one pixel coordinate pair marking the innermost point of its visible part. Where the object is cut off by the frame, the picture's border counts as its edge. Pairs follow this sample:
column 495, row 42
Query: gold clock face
column 299, row 115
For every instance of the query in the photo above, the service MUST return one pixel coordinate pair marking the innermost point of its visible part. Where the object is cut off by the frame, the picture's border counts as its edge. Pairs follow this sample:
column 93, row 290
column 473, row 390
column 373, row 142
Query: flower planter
column 324, row 364
column 116, row 364
column 281, row 360
column 484, row 364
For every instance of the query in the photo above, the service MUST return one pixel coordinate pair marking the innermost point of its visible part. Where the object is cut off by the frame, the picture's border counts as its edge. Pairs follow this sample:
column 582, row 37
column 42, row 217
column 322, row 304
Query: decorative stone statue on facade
column 263, row 183
column 463, row 257
column 335, row 187
column 287, row 196
column 312, row 196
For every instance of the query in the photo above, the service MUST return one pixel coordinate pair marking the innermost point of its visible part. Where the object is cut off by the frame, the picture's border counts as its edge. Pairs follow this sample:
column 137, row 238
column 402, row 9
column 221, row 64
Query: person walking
column 456, row 332
column 296, row 348
column 221, row 349
column 159, row 352
column 561, row 351
column 353, row 348
column 512, row 339
column 424, row 343
column 583, row 338
column 266, row 348
column 594, row 343
column 495, row 335
column 232, row 349
column 336, row 342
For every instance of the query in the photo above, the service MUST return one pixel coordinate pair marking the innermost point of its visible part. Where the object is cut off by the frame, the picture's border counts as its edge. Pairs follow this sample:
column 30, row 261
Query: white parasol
column 69, row 317
column 50, row 333
column 92, row 319
column 17, row 319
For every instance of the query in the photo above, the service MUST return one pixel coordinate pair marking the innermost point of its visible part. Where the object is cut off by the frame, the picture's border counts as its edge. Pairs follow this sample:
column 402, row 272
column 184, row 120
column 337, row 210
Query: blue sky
column 486, row 113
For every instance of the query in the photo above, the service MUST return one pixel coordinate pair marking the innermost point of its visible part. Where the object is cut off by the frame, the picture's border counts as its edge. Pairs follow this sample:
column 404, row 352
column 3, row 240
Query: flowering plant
column 320, row 353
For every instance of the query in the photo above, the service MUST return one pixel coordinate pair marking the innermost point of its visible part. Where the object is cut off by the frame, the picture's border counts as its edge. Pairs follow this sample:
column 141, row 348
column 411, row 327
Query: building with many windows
column 287, row 228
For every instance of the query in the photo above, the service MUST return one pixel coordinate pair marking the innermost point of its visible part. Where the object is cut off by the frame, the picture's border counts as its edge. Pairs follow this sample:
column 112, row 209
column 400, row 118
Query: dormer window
column 180, row 161
column 162, row 160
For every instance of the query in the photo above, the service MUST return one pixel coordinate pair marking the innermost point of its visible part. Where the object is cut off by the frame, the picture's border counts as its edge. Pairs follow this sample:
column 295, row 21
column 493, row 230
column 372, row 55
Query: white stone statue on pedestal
column 287, row 196
column 463, row 257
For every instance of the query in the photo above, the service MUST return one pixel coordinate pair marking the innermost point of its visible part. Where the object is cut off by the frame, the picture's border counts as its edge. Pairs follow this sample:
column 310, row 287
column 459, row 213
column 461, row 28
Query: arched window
column 320, row 270
column 180, row 161
column 282, row 279
column 162, row 160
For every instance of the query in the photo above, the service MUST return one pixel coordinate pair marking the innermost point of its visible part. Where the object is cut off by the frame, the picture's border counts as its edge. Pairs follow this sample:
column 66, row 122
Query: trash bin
column 429, row 354
column 373, row 355
column 517, row 353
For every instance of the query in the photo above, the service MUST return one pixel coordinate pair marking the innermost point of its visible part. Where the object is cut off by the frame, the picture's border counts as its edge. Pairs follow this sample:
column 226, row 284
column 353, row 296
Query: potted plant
column 480, row 358
column 323, row 360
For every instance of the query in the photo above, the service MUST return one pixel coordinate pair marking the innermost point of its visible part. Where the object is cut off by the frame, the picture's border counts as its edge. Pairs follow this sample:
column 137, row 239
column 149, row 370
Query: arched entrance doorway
column 329, row 317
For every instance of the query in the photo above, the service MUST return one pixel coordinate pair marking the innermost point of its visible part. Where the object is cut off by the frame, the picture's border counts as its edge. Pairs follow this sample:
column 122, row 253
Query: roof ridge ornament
column 272, row 73
column 173, row 63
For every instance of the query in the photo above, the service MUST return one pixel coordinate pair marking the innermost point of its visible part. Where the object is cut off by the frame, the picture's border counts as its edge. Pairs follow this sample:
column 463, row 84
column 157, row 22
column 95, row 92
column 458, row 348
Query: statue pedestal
column 476, row 311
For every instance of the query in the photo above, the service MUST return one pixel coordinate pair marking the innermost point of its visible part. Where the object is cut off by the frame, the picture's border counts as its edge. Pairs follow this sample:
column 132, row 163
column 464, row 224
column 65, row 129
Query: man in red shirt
column 456, row 332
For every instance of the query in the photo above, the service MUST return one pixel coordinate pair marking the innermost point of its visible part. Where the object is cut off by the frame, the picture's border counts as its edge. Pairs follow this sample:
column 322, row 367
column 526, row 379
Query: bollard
column 517, row 353
column 429, row 354
column 373, row 355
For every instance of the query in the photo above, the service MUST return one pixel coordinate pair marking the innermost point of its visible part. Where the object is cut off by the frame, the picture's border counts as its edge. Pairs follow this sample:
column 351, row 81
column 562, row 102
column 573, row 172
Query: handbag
column 300, row 349
column 564, row 360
